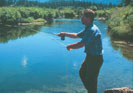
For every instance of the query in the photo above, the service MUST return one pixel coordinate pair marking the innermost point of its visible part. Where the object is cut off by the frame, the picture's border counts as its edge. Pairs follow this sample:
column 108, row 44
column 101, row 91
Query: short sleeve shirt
column 91, row 37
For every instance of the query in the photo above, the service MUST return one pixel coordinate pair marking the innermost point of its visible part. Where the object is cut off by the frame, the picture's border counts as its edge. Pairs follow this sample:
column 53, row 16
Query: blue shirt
column 91, row 37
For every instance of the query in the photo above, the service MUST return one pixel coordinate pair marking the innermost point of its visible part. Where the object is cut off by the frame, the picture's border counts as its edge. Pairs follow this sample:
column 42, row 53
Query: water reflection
column 13, row 33
column 124, row 48
column 24, row 62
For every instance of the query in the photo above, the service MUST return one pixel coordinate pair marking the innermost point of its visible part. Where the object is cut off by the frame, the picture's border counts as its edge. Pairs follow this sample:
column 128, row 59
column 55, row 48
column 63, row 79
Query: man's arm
column 71, row 35
column 75, row 46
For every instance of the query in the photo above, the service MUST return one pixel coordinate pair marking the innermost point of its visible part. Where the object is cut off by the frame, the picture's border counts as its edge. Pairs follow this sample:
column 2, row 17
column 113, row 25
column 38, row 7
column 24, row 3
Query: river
column 33, row 60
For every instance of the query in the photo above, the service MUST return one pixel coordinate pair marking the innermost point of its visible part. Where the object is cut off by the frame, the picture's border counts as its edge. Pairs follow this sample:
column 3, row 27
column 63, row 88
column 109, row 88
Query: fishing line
column 67, row 77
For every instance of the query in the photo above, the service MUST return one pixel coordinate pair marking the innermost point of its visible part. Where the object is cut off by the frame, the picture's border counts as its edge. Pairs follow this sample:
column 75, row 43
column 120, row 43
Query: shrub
column 10, row 16
column 121, row 23
column 27, row 20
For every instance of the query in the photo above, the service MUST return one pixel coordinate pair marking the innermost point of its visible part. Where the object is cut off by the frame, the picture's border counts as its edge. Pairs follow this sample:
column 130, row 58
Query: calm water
column 33, row 60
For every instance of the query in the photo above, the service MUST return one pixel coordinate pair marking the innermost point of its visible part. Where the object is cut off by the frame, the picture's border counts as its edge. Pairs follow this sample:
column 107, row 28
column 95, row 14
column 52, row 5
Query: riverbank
column 120, row 23
column 123, row 43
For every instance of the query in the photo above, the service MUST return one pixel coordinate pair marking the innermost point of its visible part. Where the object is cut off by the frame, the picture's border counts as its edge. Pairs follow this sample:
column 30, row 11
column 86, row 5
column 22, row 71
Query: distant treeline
column 55, row 4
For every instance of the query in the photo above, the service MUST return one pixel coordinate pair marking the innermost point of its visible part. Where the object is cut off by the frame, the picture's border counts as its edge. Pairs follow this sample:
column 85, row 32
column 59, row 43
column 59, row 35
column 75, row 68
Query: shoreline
column 120, row 41
column 32, row 23
column 24, row 24
column 130, row 44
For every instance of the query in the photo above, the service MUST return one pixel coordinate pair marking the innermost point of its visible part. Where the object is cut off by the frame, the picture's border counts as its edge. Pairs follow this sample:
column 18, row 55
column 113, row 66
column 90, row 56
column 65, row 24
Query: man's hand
column 71, row 35
column 69, row 47
column 61, row 34
column 75, row 46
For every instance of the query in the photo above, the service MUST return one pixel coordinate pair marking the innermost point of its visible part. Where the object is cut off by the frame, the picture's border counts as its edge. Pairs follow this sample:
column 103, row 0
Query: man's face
column 86, row 21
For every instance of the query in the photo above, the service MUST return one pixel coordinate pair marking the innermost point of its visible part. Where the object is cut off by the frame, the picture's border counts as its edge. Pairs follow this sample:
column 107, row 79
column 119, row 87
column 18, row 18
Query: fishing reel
column 62, row 37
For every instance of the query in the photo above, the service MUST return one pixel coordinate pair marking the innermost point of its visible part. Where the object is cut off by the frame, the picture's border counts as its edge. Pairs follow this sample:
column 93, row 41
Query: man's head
column 87, row 16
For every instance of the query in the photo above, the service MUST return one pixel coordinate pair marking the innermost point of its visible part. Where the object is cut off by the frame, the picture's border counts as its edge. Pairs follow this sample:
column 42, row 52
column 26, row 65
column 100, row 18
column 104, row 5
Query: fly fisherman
column 91, row 40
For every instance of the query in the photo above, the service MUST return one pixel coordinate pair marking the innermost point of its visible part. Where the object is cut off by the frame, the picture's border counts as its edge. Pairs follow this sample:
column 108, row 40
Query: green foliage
column 40, row 20
column 103, row 13
column 69, row 13
column 27, row 20
column 125, row 3
column 93, row 8
column 2, row 2
column 119, row 31
column 9, row 16
column 121, row 22
column 15, row 15
column 25, row 12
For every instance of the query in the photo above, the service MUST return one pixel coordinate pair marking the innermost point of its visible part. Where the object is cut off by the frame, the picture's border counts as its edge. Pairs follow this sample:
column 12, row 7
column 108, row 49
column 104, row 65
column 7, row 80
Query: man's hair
column 89, row 14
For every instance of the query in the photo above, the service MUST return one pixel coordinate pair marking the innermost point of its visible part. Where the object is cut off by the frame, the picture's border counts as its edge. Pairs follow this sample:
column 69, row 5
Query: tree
column 127, row 2
column 73, row 2
column 15, row 2
column 110, row 5
column 10, row 2
column 2, row 2
column 124, row 3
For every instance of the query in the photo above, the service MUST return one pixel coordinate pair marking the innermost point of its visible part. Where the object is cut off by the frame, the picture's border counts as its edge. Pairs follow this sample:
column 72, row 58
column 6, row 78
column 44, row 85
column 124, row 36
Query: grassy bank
column 120, row 23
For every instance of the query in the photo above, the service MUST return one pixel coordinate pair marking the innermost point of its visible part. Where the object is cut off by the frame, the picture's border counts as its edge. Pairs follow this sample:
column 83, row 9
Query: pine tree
column 110, row 5
column 10, row 2
column 2, row 2
column 127, row 2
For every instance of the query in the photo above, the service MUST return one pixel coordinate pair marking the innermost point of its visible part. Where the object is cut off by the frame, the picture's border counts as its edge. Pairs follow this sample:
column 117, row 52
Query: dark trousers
column 89, row 72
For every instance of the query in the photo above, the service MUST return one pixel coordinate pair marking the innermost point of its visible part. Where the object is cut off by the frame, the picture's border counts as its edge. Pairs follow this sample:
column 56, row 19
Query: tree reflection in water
column 124, row 48
column 13, row 33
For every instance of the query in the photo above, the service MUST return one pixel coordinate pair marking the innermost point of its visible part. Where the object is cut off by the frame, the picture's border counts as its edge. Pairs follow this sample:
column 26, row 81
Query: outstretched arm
column 75, row 46
column 71, row 35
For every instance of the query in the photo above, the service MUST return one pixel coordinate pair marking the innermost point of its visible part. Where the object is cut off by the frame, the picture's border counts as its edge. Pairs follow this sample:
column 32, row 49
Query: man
column 91, row 39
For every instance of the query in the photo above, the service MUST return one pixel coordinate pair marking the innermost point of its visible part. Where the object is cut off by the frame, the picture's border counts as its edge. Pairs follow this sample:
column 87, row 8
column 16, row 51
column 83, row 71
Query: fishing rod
column 62, row 37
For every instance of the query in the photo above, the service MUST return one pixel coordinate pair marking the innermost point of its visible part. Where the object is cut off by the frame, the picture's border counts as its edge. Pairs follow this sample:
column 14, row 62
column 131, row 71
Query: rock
column 119, row 90
column 120, row 42
column 31, row 23
column 101, row 18
column 130, row 44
